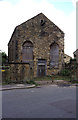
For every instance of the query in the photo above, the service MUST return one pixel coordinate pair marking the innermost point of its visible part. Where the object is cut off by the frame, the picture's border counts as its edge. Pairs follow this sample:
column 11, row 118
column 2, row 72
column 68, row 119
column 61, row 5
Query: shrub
column 72, row 59
column 65, row 72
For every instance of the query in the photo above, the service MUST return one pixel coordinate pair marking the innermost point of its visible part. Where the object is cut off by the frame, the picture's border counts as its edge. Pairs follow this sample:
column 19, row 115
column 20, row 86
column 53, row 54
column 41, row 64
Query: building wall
column 42, row 33
column 67, row 58
column 76, row 55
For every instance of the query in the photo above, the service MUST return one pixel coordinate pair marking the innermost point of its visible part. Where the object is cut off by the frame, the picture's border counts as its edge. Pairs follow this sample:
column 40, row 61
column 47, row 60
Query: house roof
column 67, row 55
column 75, row 51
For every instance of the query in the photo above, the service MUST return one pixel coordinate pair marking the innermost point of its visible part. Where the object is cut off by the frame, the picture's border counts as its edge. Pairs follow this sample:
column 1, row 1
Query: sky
column 61, row 12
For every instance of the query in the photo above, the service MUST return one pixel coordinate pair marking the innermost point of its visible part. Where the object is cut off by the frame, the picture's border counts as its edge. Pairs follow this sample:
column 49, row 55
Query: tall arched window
column 27, row 51
column 54, row 55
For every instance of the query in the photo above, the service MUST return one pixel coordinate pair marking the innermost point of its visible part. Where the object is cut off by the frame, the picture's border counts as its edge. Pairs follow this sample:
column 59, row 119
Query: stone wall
column 20, row 73
column 5, row 73
column 67, row 58
column 73, row 68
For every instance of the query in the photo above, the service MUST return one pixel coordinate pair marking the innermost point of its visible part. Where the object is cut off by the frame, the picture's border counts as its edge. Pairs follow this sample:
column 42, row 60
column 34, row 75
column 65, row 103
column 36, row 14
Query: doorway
column 41, row 69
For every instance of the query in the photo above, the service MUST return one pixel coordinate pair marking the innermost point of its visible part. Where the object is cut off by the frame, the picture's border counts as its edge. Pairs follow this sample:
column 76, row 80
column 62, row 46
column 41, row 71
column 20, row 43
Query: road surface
column 44, row 102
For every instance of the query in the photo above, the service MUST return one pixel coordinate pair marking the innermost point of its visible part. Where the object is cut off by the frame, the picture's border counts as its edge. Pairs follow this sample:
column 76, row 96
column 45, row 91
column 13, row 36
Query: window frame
column 27, row 48
column 56, row 63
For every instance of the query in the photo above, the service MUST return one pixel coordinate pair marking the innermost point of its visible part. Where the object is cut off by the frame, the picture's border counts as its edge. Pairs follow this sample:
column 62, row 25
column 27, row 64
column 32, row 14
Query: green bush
column 72, row 59
column 65, row 72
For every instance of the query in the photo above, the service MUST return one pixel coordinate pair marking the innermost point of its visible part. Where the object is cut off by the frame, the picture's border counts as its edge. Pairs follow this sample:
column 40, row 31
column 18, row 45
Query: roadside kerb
column 18, row 87
column 22, row 86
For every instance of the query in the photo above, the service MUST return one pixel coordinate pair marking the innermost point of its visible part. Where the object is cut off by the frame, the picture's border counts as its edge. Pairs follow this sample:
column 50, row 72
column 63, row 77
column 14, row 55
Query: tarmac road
column 43, row 102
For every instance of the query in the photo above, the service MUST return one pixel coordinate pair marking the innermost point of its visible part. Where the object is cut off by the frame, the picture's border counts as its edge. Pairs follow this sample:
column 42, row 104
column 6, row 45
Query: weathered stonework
column 67, row 58
column 41, row 32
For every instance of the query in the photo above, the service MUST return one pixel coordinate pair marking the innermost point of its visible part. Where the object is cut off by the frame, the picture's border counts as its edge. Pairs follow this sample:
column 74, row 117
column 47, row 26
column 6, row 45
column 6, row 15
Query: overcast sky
column 61, row 12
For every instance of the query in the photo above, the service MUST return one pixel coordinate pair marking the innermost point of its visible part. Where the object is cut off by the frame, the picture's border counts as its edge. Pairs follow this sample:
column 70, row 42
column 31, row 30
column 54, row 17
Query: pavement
column 26, row 86
column 15, row 86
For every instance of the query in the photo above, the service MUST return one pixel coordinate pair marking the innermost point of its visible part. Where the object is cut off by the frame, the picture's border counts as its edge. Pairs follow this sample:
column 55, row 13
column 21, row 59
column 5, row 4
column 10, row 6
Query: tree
column 4, row 57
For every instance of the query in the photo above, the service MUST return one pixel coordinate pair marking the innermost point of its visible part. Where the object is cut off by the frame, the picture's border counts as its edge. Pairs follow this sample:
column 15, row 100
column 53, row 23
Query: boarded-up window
column 27, row 51
column 54, row 55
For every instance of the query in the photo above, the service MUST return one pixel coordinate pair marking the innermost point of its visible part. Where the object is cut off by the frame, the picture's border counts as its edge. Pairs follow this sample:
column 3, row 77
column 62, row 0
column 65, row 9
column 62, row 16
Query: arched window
column 27, row 51
column 54, row 55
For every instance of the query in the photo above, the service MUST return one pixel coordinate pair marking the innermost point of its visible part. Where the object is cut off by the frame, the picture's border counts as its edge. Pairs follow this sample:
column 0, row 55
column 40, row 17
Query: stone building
column 36, row 48
column 67, row 58
column 76, row 55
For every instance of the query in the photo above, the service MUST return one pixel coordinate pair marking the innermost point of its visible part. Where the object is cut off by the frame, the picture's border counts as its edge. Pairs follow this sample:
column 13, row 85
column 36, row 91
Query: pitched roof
column 67, row 55
column 75, row 51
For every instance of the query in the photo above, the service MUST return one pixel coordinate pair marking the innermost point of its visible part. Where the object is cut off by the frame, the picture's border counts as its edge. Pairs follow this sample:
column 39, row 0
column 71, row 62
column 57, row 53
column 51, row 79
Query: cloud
column 14, row 14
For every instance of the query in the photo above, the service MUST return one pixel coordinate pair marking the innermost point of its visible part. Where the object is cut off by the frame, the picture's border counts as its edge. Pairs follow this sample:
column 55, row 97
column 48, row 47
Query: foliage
column 4, row 57
column 72, row 59
column 54, row 77
column 65, row 72
column 74, row 81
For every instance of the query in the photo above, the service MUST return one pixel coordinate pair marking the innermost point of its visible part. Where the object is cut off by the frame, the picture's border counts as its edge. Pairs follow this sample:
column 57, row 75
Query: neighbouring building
column 67, row 58
column 36, row 48
column 76, row 55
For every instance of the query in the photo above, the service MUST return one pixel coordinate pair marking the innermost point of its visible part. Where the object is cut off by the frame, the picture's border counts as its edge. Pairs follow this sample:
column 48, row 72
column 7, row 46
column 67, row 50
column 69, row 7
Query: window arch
column 54, row 55
column 27, row 51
